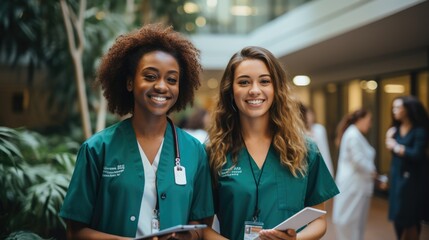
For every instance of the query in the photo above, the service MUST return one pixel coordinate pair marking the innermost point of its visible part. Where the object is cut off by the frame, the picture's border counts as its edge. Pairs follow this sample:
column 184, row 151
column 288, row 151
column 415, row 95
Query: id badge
column 251, row 229
column 179, row 175
column 155, row 222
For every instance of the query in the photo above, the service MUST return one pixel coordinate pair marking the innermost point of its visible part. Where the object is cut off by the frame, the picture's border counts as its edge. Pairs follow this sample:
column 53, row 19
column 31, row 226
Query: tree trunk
column 101, row 114
column 74, row 25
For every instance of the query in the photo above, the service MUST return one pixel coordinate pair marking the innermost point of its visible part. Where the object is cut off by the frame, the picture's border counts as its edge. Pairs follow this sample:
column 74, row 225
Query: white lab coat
column 319, row 135
column 355, row 181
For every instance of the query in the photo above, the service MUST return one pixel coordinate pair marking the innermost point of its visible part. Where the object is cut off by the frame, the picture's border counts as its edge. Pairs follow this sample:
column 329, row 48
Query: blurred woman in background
column 355, row 176
column 407, row 139
column 318, row 133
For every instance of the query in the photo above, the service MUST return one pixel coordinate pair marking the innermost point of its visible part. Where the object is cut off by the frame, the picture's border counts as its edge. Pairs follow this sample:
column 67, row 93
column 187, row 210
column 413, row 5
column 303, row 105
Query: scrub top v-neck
column 148, row 203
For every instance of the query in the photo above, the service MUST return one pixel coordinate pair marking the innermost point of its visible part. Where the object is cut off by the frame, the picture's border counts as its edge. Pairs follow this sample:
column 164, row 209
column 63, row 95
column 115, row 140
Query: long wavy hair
column 285, row 121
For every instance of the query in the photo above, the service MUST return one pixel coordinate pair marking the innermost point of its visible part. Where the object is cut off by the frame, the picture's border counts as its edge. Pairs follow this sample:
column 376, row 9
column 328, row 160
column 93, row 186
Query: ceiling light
column 241, row 10
column 394, row 88
column 200, row 21
column 371, row 85
column 301, row 80
column 191, row 7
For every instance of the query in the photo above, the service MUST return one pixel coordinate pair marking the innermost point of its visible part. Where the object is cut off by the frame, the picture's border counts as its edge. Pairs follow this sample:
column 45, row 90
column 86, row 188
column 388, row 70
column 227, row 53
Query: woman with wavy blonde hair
column 263, row 167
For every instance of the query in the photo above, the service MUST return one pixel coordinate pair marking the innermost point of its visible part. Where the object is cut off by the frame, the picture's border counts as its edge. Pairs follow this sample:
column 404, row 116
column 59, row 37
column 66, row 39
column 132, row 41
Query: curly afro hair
column 120, row 63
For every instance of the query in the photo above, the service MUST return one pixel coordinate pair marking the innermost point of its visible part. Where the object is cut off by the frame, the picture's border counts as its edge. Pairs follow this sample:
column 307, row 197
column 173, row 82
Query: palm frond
column 8, row 147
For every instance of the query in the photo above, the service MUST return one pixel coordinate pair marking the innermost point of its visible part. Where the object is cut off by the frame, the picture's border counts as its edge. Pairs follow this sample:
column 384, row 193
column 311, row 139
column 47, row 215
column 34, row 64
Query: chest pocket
column 290, row 191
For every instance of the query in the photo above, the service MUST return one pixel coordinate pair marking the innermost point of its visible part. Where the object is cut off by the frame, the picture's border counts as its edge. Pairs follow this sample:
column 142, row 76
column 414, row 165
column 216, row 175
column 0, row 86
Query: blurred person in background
column 407, row 140
column 318, row 133
column 355, row 176
column 196, row 124
column 129, row 180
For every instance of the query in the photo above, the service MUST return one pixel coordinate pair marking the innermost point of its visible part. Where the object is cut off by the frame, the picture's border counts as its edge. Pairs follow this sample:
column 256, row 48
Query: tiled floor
column 378, row 227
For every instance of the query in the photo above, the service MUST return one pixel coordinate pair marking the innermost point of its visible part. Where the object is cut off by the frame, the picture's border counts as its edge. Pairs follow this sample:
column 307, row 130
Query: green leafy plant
column 35, row 171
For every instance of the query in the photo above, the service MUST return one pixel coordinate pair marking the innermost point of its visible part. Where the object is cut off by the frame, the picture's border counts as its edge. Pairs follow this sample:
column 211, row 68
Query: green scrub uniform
column 107, row 185
column 280, row 193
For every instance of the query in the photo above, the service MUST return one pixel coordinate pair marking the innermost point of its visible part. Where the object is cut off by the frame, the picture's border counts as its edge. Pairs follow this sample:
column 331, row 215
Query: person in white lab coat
column 318, row 133
column 354, row 177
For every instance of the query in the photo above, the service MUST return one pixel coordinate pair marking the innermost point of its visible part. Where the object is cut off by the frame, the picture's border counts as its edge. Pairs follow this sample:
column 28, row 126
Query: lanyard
column 176, row 160
column 257, row 210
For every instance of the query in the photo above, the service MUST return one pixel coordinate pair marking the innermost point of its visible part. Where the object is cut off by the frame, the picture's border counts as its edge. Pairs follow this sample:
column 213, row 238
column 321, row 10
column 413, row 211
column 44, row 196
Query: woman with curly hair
column 142, row 174
column 263, row 167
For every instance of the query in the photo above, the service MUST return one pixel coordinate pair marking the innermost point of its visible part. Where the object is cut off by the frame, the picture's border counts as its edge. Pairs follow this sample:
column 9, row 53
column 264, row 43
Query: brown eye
column 150, row 77
column 243, row 82
column 265, row 81
column 172, row 80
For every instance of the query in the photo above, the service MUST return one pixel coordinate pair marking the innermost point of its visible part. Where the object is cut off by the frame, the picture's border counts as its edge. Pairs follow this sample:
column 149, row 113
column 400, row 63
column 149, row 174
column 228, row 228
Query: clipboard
column 299, row 219
column 178, row 228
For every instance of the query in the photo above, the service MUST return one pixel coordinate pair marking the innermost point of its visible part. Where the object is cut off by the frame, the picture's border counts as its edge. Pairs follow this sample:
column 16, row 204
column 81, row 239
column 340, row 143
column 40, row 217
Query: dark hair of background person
column 195, row 120
column 285, row 121
column 303, row 110
column 348, row 120
column 415, row 112
column 120, row 64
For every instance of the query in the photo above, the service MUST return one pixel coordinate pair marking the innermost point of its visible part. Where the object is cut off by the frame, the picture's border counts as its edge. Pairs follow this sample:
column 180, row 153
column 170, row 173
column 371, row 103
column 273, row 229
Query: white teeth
column 160, row 99
column 255, row 101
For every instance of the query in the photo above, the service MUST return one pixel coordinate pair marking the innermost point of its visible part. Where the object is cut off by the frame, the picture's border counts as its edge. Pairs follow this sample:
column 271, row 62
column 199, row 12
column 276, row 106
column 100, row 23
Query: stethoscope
column 176, row 143
column 179, row 171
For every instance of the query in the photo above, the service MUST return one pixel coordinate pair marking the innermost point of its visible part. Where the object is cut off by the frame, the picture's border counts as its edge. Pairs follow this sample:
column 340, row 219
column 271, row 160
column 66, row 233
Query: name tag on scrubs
column 155, row 222
column 179, row 175
column 251, row 229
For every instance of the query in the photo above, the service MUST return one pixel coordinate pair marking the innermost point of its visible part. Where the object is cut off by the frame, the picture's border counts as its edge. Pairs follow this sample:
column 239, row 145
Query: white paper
column 300, row 219
column 178, row 228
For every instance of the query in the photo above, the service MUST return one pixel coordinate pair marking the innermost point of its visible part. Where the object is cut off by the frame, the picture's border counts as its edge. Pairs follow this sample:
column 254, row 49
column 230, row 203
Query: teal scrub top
column 280, row 193
column 107, row 185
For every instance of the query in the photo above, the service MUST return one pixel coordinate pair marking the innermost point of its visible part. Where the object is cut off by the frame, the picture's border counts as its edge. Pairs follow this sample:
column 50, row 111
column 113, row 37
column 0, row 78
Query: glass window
column 236, row 16
column 423, row 88
column 390, row 88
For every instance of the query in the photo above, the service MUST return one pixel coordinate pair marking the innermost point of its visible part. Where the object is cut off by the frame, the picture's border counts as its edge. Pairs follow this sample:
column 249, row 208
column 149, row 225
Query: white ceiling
column 403, row 33
column 335, row 40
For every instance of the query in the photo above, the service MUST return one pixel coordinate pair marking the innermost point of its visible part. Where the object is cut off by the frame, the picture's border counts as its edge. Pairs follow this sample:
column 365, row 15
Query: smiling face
column 253, row 89
column 156, row 84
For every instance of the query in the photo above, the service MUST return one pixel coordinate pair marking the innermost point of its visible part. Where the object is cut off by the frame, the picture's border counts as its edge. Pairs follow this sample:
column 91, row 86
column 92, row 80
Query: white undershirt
column 149, row 195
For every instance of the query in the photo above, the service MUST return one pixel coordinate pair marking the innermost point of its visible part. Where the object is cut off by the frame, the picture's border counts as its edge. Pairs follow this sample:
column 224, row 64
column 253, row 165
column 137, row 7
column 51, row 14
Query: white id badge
column 155, row 225
column 179, row 175
column 251, row 229
column 155, row 222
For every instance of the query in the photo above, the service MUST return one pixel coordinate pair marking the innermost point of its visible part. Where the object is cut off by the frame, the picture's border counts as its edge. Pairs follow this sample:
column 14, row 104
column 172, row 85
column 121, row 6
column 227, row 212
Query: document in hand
column 178, row 228
column 300, row 219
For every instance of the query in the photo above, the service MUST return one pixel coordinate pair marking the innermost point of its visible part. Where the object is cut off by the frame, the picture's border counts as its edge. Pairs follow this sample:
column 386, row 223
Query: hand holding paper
column 175, row 229
column 300, row 219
